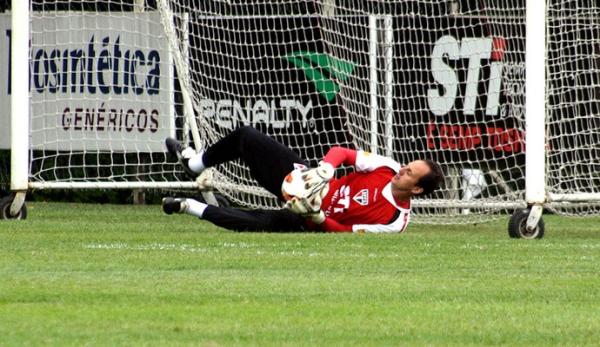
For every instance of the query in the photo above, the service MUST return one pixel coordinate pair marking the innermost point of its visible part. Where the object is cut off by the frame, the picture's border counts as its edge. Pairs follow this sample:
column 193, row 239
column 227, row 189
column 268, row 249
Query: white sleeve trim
column 397, row 226
column 366, row 162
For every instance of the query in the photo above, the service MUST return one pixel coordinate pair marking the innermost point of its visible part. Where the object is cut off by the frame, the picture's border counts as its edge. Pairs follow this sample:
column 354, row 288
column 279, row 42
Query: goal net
column 573, row 106
column 441, row 80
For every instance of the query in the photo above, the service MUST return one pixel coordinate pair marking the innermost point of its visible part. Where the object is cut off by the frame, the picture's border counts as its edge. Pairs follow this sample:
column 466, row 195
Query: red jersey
column 362, row 200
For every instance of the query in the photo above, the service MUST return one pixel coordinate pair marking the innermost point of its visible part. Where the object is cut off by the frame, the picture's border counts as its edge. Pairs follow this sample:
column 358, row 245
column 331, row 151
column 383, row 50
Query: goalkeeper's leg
column 235, row 219
column 254, row 220
column 268, row 160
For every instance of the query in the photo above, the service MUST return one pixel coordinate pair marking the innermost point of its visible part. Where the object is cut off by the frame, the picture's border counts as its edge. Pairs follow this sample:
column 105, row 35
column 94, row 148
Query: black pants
column 269, row 162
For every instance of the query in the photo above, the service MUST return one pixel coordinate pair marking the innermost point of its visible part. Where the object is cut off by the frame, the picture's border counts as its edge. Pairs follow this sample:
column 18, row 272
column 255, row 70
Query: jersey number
column 344, row 201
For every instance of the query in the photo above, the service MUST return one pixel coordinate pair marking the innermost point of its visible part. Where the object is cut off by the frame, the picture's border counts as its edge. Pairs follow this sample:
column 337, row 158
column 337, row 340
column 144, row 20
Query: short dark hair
column 433, row 180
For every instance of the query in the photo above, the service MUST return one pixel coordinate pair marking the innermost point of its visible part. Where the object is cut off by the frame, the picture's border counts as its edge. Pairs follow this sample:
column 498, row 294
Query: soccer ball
column 293, row 185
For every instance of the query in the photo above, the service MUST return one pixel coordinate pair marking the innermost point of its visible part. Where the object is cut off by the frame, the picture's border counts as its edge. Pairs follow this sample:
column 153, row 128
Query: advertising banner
column 96, row 83
column 461, row 89
column 4, row 81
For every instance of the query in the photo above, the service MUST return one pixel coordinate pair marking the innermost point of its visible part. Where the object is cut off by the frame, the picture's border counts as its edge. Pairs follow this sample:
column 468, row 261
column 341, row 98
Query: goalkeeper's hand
column 317, row 178
column 309, row 207
column 304, row 206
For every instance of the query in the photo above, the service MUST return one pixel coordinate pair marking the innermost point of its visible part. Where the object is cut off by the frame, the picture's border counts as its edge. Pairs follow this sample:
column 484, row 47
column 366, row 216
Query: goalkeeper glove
column 318, row 218
column 316, row 179
column 307, row 208
column 322, row 173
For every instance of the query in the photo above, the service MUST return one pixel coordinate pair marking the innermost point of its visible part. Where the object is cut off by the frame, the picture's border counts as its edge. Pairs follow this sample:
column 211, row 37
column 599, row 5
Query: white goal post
column 442, row 80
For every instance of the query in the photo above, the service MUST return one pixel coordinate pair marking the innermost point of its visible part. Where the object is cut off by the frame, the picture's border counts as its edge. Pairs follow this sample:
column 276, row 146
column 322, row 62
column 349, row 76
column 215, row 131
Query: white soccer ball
column 293, row 185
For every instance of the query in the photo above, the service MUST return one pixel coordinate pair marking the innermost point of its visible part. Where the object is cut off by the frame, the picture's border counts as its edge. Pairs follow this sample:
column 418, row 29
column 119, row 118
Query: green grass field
column 84, row 274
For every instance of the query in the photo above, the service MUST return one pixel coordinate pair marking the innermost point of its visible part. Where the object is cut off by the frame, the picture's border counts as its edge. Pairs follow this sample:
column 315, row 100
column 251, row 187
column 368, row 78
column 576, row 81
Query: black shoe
column 172, row 205
column 176, row 150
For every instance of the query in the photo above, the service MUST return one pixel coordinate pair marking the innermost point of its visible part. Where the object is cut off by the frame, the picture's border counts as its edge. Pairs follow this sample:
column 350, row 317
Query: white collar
column 387, row 194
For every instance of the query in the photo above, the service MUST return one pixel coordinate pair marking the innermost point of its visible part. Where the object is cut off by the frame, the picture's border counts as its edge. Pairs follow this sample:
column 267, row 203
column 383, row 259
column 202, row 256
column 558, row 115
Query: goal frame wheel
column 517, row 226
column 5, row 204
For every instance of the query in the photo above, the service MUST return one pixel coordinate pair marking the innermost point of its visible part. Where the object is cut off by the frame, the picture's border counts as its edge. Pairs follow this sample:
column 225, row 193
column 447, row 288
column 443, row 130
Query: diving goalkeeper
column 374, row 198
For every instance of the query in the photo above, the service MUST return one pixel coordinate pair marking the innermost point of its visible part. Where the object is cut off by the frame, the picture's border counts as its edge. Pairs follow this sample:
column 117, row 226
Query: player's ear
column 417, row 190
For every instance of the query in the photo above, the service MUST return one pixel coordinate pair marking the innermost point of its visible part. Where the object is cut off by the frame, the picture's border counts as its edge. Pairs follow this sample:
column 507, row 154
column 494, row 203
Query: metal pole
column 535, row 117
column 389, row 83
column 19, row 129
column 374, row 106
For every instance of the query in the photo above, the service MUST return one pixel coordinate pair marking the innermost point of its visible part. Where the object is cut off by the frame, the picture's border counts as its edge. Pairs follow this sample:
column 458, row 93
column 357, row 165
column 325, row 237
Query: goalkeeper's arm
column 310, row 208
column 315, row 217
column 329, row 225
column 317, row 177
column 337, row 156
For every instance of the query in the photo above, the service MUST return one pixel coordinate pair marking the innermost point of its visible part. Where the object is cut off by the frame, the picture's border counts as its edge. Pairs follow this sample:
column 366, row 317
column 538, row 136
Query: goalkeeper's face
column 405, row 181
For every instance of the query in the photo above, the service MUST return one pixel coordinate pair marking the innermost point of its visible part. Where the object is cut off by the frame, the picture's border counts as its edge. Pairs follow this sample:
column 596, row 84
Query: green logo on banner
column 317, row 65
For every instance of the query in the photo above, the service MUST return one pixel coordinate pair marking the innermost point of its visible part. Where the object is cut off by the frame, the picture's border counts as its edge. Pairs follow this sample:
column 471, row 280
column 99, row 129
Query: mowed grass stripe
column 77, row 274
